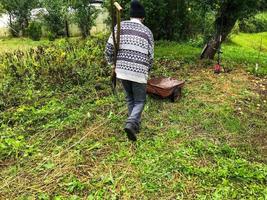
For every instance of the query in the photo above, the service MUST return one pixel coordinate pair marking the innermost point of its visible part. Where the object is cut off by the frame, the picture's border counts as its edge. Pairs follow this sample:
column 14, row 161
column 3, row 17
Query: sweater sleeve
column 151, row 50
column 110, row 49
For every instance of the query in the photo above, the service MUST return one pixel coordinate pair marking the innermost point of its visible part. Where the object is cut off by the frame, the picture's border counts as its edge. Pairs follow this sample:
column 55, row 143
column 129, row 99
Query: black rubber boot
column 131, row 132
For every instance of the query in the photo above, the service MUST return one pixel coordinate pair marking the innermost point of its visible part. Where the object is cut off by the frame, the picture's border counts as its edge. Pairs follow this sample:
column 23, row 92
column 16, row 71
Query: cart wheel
column 176, row 95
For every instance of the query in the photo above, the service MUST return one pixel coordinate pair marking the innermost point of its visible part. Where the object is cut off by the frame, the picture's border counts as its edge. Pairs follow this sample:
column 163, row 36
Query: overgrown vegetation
column 46, row 73
column 62, row 129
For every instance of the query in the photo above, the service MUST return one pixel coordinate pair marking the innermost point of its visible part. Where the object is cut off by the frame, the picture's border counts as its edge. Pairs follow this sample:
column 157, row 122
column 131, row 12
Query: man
column 134, row 61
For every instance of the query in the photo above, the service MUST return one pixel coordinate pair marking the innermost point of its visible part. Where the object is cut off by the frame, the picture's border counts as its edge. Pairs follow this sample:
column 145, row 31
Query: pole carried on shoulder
column 116, row 39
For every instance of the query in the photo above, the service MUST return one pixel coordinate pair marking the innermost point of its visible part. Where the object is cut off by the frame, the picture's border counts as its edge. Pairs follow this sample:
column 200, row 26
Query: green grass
column 24, row 44
column 248, row 49
column 12, row 44
column 242, row 49
column 175, row 51
column 251, row 41
column 209, row 145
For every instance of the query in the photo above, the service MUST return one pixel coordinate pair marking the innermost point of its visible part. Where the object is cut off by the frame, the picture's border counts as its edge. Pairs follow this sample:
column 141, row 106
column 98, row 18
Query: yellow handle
column 118, row 6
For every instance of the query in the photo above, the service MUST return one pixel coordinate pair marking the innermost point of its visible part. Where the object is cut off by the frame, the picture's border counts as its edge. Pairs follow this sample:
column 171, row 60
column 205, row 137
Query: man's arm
column 109, row 51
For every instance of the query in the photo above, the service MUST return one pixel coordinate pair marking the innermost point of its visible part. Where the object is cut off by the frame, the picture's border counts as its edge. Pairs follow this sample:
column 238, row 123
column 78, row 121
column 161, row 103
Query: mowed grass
column 248, row 49
column 256, row 41
column 24, row 44
column 12, row 44
column 209, row 145
column 241, row 50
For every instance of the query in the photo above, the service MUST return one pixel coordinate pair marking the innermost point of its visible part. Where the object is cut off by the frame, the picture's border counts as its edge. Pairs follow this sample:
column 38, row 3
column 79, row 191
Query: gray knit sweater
column 136, row 52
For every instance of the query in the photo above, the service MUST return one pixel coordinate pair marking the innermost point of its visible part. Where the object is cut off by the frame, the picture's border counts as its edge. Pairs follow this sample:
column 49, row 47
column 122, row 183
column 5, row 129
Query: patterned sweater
column 136, row 52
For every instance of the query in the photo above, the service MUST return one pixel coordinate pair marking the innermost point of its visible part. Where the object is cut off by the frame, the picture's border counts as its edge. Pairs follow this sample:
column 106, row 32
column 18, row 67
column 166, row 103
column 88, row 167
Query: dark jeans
column 136, row 98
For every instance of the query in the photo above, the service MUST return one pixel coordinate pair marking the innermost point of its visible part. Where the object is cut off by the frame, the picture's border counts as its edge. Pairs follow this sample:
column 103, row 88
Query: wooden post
column 116, row 39
column 118, row 11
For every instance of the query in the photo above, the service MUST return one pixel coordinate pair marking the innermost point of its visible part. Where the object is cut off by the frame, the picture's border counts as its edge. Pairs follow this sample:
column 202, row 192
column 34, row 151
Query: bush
column 35, row 30
column 36, row 88
column 255, row 24
column 51, row 36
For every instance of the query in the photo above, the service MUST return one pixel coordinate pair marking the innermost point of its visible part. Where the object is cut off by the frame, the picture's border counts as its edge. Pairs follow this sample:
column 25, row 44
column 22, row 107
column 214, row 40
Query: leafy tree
column 56, row 16
column 7, row 7
column 155, row 17
column 176, row 20
column 1, row 9
column 66, row 15
column 228, row 12
column 20, row 12
column 85, row 15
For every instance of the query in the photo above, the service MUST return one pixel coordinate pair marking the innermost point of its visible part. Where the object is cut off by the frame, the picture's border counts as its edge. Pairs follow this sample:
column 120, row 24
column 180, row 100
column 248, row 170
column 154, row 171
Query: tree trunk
column 24, row 26
column 85, row 31
column 182, row 14
column 224, row 24
column 12, row 28
column 67, row 30
column 212, row 47
column 10, row 19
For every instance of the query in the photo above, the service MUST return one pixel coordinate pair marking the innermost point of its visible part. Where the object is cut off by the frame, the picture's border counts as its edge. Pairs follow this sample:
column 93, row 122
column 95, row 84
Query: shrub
column 254, row 24
column 51, row 36
column 35, row 88
column 35, row 30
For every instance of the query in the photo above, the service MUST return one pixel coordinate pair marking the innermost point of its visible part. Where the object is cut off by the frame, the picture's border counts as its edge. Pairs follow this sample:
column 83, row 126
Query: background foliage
column 254, row 24
column 181, row 20
column 176, row 20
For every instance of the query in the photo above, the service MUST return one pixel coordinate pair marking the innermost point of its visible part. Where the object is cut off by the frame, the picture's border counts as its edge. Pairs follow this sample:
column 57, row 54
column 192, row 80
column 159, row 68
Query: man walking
column 134, row 61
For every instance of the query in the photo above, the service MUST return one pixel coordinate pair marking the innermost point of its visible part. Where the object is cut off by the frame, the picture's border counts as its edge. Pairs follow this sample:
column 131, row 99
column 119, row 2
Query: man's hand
column 113, row 68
